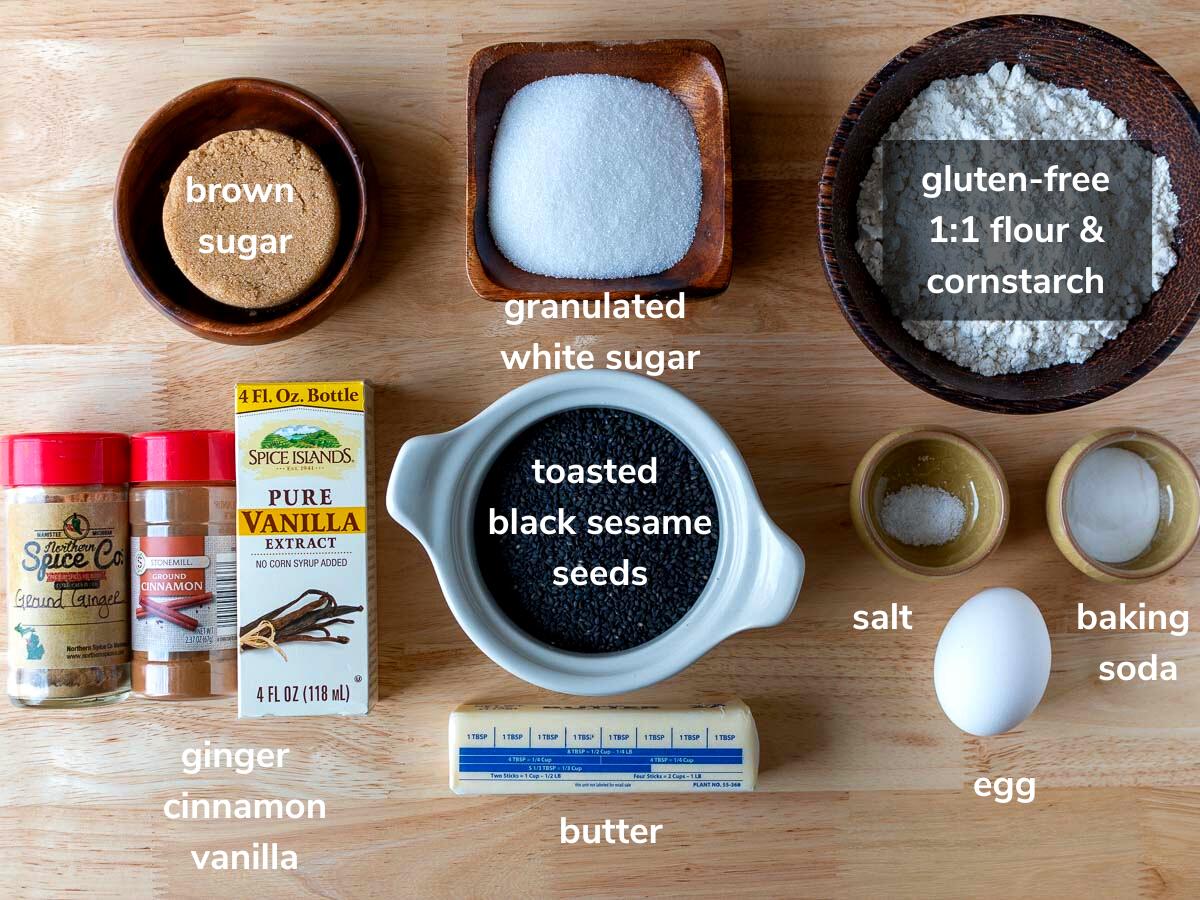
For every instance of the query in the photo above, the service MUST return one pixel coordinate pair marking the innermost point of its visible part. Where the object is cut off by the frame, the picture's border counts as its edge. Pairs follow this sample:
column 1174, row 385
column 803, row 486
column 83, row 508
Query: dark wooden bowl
column 693, row 71
column 187, row 122
column 1160, row 115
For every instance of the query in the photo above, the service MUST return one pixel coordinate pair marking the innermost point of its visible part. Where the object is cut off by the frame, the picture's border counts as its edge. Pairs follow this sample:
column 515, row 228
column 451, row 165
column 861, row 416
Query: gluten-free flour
column 1007, row 104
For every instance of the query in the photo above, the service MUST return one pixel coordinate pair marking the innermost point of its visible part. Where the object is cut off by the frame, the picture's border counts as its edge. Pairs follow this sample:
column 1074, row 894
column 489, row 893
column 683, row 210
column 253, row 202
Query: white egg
column 992, row 662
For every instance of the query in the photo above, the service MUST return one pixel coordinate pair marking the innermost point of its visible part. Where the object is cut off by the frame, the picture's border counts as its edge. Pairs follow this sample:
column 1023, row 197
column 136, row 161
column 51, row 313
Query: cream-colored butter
column 498, row 749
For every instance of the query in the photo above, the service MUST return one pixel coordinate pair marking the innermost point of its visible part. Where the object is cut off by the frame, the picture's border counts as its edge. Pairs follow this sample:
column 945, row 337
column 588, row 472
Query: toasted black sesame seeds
column 518, row 570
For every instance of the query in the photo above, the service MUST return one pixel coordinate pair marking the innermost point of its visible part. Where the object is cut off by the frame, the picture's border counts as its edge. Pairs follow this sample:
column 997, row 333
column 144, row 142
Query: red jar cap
column 182, row 456
column 64, row 457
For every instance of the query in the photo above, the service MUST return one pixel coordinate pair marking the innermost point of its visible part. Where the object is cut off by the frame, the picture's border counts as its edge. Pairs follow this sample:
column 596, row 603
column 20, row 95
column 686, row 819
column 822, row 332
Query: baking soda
column 594, row 176
column 922, row 516
column 1113, row 505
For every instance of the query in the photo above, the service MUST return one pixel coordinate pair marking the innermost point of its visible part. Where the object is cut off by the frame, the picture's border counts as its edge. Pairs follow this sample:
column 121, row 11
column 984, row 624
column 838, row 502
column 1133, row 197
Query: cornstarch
column 1007, row 104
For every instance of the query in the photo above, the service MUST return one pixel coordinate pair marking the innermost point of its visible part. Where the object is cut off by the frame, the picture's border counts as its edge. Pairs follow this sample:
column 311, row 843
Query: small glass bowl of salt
column 929, row 502
column 1124, row 505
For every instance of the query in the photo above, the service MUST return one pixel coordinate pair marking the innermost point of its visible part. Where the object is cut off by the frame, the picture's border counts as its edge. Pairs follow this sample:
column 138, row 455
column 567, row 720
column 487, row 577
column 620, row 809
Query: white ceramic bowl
column 436, row 480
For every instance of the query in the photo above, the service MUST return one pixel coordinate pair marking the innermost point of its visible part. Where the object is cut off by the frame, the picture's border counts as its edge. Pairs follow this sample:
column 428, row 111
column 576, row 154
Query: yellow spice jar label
column 68, row 585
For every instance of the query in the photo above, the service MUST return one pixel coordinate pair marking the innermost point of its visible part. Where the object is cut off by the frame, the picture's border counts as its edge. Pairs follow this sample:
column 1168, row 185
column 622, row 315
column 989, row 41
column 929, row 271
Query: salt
column 594, row 176
column 1113, row 505
column 921, row 515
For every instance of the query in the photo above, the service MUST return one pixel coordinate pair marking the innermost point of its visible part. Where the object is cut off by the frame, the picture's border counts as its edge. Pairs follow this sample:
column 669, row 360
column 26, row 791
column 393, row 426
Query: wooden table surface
column 866, row 786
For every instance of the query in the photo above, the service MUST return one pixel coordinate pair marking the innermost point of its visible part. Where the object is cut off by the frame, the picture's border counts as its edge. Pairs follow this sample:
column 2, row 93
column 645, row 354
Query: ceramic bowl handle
column 412, row 487
column 777, row 584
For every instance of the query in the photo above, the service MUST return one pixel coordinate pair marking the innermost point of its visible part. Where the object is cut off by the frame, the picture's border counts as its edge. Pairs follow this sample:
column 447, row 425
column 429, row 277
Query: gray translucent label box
column 998, row 192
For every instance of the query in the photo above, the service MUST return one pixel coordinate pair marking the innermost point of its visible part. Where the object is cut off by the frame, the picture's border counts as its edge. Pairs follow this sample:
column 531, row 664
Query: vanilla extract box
column 305, row 549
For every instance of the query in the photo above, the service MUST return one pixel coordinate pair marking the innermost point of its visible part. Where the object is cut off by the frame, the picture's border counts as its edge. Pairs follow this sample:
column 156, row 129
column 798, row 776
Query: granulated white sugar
column 921, row 515
column 594, row 176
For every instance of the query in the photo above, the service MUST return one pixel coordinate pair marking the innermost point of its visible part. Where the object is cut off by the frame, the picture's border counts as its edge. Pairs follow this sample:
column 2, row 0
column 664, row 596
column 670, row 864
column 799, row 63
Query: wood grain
column 865, row 784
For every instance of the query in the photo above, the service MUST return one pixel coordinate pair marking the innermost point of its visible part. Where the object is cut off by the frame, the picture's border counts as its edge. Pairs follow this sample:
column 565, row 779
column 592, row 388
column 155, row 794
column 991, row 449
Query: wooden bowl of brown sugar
column 198, row 116
column 1160, row 117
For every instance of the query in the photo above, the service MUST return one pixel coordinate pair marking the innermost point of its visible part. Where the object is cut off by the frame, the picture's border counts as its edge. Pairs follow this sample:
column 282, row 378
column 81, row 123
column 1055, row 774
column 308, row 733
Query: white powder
column 1113, row 505
column 594, row 176
column 1007, row 104
column 921, row 515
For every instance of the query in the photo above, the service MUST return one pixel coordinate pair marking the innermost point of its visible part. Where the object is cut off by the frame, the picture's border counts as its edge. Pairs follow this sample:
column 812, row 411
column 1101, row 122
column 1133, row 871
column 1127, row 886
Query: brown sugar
column 251, row 218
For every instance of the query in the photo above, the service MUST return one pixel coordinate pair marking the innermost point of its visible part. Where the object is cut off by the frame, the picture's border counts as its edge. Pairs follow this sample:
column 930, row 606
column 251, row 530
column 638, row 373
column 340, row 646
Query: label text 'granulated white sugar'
column 562, row 355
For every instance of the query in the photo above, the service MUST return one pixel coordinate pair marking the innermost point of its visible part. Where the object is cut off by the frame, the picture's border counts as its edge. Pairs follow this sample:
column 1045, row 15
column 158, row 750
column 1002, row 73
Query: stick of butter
column 512, row 749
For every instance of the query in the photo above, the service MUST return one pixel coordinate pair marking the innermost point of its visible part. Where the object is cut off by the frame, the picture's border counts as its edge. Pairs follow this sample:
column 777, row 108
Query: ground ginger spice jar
column 182, row 508
column 67, row 524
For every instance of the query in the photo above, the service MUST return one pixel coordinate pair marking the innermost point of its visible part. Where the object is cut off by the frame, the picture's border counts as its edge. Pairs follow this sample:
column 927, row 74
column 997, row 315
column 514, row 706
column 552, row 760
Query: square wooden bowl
column 693, row 71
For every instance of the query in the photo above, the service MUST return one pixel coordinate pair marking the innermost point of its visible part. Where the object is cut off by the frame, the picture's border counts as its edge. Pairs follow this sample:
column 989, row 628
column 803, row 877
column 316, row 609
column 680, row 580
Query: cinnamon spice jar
column 182, row 504
column 67, row 527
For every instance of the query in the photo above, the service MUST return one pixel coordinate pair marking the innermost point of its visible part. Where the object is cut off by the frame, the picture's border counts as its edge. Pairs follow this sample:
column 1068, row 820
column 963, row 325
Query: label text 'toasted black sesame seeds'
column 596, row 530
column 559, row 523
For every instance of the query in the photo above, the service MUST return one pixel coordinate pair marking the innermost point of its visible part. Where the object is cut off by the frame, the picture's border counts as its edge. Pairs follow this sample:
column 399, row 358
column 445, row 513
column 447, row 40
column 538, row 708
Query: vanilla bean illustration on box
column 281, row 627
